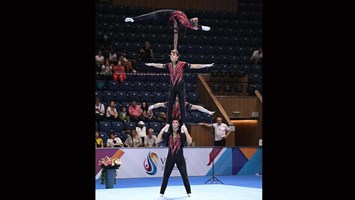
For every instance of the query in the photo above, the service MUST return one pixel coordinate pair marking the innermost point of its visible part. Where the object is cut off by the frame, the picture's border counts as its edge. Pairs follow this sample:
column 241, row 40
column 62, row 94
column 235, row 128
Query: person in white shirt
column 114, row 141
column 99, row 58
column 141, row 131
column 257, row 56
column 150, row 140
column 220, row 130
column 111, row 112
column 133, row 140
column 99, row 110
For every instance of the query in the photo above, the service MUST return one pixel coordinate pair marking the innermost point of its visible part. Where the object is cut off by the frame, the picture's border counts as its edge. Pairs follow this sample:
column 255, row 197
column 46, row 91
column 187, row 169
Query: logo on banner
column 150, row 163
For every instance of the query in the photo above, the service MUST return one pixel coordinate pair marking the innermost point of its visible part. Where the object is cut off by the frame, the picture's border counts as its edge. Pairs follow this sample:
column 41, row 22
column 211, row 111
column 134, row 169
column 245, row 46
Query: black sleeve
column 188, row 106
column 187, row 66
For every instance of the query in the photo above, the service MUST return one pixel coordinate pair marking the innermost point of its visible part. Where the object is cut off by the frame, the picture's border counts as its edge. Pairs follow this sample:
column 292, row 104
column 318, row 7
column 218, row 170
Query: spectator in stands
column 150, row 139
column 175, row 17
column 176, row 113
column 114, row 141
column 111, row 112
column 98, row 141
column 99, row 58
column 135, row 111
column 127, row 63
column 112, row 57
column 146, row 53
column 146, row 113
column 119, row 72
column 99, row 110
column 220, row 130
column 141, row 131
column 123, row 115
column 177, row 81
column 105, row 44
column 257, row 57
column 106, row 70
column 162, row 117
column 99, row 61
column 133, row 140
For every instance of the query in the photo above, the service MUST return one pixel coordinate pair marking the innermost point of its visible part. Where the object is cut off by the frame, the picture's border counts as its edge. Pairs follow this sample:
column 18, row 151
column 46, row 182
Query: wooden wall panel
column 244, row 104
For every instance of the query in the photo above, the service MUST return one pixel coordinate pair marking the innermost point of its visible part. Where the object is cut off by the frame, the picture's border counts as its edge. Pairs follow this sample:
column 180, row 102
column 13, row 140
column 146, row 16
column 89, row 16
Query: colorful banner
column 150, row 162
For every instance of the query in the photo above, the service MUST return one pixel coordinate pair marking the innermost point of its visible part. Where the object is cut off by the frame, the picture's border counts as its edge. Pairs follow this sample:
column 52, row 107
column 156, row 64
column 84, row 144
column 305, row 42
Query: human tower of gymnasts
column 175, row 135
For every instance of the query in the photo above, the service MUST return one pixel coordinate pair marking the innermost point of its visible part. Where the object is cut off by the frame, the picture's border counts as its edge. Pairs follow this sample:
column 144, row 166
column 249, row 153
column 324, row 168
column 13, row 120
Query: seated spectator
column 146, row 53
column 105, row 44
column 99, row 58
column 99, row 61
column 134, row 111
column 257, row 56
column 106, row 70
column 114, row 141
column 123, row 115
column 99, row 110
column 150, row 140
column 146, row 113
column 98, row 141
column 162, row 117
column 126, row 62
column 133, row 140
column 141, row 131
column 111, row 112
column 112, row 57
column 119, row 72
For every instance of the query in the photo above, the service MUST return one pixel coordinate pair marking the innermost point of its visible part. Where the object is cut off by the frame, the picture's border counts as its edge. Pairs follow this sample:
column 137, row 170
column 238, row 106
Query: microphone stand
column 213, row 178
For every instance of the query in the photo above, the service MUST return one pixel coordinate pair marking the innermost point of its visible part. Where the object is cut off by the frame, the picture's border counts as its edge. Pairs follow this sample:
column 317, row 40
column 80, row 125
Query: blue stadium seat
column 133, row 96
column 163, row 86
column 192, row 97
column 126, row 86
column 126, row 104
column 207, row 118
column 121, row 96
column 129, row 125
column 189, row 87
column 113, row 85
column 162, row 124
column 138, row 86
column 141, row 77
column 105, row 126
column 151, row 86
column 165, row 78
column 98, row 94
column 146, row 96
column 196, row 117
column 104, row 138
column 117, row 126
column 108, row 96
column 158, row 97
column 156, row 126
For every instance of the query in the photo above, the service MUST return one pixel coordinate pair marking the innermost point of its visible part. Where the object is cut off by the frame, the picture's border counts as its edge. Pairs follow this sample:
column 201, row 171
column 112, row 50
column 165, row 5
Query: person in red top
column 177, row 83
column 167, row 16
column 119, row 72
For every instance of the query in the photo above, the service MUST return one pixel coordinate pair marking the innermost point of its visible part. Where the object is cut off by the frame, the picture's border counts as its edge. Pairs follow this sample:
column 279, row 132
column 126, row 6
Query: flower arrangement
column 108, row 163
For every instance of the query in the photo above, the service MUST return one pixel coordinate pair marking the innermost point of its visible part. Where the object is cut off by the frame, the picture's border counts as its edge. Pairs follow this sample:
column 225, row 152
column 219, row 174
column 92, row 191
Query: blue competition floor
column 244, row 181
